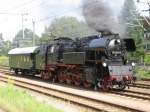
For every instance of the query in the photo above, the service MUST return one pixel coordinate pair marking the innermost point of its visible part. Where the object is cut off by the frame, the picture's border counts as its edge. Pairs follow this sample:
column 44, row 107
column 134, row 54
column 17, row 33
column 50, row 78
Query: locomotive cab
column 56, row 50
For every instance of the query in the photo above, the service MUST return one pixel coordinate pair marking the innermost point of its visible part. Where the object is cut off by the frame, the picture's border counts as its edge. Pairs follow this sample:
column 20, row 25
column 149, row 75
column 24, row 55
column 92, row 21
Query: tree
column 7, row 47
column 1, row 43
column 27, row 41
column 146, row 23
column 128, row 13
column 4, row 45
column 133, row 27
column 65, row 27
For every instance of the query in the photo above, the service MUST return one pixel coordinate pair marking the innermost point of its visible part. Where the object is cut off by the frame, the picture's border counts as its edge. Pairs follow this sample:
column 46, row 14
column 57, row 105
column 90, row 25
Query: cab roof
column 25, row 50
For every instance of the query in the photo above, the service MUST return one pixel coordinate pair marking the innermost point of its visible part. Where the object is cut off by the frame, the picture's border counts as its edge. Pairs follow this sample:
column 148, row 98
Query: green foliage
column 131, row 19
column 128, row 12
column 14, row 100
column 27, row 41
column 147, row 59
column 143, row 73
column 4, row 61
column 65, row 27
column 28, row 34
column 6, row 47
column 137, row 34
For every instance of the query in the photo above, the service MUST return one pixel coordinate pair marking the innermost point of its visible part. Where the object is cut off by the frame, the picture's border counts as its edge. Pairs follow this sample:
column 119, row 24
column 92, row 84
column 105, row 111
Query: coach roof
column 25, row 50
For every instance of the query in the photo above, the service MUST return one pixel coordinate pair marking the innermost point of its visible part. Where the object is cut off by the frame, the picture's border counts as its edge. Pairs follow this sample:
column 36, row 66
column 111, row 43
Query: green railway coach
column 29, row 59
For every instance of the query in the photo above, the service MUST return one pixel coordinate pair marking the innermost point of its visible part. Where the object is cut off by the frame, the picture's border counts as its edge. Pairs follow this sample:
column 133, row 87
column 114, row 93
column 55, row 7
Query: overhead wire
column 42, row 3
column 62, row 13
column 43, row 19
column 57, row 15
column 54, row 15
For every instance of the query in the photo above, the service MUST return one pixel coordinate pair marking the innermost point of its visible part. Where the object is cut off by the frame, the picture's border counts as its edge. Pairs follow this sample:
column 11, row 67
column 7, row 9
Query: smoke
column 99, row 16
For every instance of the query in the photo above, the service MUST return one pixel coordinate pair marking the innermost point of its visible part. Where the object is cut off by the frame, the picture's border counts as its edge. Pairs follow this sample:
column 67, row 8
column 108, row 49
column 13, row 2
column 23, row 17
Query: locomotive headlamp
column 118, row 41
column 133, row 64
column 104, row 64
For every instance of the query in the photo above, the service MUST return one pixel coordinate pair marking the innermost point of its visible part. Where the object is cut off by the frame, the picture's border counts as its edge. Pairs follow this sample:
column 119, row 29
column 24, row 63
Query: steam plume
column 99, row 16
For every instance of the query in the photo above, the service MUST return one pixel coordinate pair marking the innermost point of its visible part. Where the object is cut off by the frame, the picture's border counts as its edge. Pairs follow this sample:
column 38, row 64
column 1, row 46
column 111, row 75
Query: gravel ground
column 2, row 110
column 143, row 82
column 64, row 105
column 140, row 90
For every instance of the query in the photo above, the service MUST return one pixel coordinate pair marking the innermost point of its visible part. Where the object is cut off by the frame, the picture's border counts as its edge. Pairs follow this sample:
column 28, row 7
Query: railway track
column 145, row 79
column 144, row 86
column 95, row 104
column 133, row 94
column 127, row 93
column 88, row 102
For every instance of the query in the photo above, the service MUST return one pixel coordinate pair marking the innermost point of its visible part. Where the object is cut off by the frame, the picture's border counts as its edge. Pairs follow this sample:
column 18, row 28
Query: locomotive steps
column 95, row 100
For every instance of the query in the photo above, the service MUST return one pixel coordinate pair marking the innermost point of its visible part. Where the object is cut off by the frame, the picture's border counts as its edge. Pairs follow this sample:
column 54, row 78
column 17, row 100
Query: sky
column 42, row 12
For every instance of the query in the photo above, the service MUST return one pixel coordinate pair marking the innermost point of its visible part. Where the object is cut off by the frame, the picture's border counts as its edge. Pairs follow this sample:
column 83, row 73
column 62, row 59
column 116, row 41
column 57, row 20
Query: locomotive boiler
column 93, row 61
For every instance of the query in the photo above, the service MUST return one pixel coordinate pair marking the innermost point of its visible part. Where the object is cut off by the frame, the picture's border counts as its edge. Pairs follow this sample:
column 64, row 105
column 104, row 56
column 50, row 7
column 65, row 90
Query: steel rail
column 67, row 96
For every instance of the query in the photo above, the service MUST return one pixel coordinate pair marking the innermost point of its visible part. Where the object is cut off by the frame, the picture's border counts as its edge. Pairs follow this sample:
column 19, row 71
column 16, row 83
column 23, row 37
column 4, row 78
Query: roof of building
column 25, row 50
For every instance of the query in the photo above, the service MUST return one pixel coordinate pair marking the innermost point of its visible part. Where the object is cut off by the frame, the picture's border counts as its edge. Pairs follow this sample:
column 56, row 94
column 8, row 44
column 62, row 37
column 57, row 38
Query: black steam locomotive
column 93, row 61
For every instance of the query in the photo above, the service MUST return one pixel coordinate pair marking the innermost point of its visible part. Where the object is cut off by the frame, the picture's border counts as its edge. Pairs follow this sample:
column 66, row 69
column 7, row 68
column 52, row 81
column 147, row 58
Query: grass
column 14, row 100
column 4, row 61
column 143, row 73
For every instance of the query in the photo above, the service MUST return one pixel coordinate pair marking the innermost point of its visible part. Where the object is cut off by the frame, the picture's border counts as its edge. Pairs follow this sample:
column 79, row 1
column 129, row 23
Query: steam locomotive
column 98, row 61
